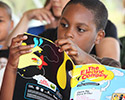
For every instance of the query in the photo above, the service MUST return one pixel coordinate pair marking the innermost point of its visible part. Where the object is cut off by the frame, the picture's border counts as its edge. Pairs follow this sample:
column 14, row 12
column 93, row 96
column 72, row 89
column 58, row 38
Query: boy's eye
column 1, row 20
column 64, row 25
column 80, row 29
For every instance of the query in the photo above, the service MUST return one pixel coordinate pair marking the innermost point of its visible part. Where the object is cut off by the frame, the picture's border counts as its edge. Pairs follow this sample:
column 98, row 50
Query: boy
column 81, row 26
column 6, row 25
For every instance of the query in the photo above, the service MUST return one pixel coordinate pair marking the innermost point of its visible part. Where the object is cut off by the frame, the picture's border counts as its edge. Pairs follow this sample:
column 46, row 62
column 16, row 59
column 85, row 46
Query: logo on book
column 41, row 80
column 94, row 73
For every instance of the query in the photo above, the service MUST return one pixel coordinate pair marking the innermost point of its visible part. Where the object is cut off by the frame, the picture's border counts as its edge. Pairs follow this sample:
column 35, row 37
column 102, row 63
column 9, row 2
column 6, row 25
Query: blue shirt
column 36, row 30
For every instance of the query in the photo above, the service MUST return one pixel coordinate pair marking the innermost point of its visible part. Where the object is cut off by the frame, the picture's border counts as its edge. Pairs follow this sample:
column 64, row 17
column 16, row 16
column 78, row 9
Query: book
column 43, row 73
column 97, row 82
column 46, row 74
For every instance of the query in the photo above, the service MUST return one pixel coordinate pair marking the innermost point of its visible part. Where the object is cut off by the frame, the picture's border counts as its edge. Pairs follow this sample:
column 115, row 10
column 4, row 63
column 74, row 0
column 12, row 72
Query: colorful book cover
column 43, row 73
column 97, row 82
column 46, row 74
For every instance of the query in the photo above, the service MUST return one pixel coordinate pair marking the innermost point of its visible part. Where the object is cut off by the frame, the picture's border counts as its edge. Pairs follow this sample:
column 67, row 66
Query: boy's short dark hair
column 8, row 9
column 97, row 8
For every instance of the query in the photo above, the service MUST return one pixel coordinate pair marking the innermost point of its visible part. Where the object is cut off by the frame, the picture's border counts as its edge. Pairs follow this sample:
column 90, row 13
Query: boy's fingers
column 18, row 39
column 19, row 53
column 72, row 53
column 24, row 47
column 21, row 48
column 15, row 55
column 16, row 52
column 61, row 42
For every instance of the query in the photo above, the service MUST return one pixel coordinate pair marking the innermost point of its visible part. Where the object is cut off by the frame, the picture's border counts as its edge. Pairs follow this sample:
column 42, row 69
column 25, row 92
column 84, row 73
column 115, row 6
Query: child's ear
column 100, row 36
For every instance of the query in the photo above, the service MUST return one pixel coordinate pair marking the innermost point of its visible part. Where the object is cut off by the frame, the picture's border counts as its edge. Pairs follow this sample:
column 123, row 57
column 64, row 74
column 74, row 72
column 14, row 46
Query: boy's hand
column 74, row 52
column 16, row 50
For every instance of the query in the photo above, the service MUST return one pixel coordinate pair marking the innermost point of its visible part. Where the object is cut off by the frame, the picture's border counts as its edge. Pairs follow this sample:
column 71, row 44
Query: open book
column 46, row 74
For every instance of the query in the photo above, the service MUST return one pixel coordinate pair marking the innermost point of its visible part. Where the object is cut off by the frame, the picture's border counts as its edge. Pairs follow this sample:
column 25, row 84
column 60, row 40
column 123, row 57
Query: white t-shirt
column 3, row 62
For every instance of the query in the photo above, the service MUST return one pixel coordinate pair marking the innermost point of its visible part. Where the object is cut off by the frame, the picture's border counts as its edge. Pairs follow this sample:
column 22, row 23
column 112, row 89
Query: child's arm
column 16, row 50
column 108, row 47
column 76, row 54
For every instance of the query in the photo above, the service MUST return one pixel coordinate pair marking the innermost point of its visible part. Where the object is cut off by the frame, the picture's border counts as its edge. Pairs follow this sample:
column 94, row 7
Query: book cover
column 43, row 73
column 46, row 74
column 97, row 82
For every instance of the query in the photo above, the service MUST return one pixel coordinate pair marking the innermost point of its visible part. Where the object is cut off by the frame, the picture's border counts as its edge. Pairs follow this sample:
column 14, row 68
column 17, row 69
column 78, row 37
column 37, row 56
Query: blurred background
column 115, row 8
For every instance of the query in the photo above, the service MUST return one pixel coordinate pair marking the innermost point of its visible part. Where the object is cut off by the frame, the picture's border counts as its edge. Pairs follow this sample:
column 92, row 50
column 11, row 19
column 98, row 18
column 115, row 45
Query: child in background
column 77, row 34
column 6, row 25
column 51, row 13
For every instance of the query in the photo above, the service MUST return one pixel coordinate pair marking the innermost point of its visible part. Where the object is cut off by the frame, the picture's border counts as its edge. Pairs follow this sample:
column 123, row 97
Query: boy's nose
column 69, row 33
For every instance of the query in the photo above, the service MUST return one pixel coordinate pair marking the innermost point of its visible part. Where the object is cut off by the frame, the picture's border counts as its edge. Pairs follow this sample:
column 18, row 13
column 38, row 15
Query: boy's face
column 5, row 24
column 77, row 23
